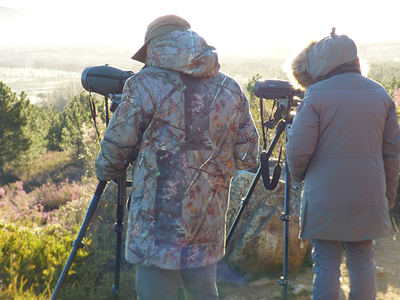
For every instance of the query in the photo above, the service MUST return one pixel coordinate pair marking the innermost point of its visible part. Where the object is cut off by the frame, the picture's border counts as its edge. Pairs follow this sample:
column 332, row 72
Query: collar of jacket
column 349, row 67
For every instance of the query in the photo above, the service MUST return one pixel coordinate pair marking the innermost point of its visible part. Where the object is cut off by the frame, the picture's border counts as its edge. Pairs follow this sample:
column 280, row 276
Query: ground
column 388, row 279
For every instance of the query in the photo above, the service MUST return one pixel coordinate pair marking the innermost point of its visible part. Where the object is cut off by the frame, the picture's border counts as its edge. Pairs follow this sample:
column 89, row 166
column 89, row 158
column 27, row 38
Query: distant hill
column 380, row 52
column 77, row 58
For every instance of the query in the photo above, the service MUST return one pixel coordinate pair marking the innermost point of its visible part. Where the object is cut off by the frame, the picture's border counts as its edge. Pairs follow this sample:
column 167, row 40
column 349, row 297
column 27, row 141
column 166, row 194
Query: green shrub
column 91, row 146
column 53, row 166
column 48, row 167
column 32, row 258
column 34, row 250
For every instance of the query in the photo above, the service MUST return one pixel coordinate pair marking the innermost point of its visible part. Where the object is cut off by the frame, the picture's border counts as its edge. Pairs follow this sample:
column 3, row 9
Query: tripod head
column 285, row 96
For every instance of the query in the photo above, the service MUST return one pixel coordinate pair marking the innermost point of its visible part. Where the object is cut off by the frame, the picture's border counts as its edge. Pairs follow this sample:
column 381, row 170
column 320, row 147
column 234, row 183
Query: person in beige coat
column 344, row 143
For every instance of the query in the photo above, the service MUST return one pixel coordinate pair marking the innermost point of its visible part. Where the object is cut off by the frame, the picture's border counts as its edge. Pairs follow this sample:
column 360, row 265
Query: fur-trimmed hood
column 321, row 58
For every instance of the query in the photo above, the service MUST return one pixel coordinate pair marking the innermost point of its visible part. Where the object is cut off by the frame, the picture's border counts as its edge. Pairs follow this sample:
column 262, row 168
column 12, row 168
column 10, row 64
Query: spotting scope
column 104, row 80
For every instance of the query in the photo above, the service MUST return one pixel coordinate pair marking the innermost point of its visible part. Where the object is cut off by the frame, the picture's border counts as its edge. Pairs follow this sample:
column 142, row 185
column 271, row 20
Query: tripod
column 284, row 108
column 118, row 227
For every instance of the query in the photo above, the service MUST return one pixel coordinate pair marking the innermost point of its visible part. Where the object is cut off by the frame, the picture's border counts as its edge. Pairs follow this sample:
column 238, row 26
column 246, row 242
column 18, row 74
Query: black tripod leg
column 260, row 171
column 78, row 241
column 118, row 227
column 285, row 217
column 244, row 202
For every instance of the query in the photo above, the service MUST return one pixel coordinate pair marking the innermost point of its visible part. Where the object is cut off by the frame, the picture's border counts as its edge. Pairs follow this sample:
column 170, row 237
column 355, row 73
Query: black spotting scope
column 276, row 89
column 104, row 80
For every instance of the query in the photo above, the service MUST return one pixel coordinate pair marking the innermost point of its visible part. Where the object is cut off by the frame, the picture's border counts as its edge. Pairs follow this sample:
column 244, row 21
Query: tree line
column 27, row 131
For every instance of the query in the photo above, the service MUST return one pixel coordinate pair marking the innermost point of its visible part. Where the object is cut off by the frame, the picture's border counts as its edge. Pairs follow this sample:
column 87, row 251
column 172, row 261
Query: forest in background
column 47, row 152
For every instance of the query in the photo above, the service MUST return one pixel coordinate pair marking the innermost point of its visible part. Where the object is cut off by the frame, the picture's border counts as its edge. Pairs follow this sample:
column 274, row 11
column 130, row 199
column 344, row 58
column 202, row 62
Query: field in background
column 45, row 73
column 39, row 84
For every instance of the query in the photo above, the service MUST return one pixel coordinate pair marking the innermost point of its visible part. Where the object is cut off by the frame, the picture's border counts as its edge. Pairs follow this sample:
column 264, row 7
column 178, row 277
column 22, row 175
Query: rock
column 256, row 246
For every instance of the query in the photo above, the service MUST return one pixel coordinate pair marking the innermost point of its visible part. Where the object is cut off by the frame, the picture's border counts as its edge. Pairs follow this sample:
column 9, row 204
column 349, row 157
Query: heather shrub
column 51, row 196
column 19, row 207
column 38, row 207
column 73, row 212
column 64, row 204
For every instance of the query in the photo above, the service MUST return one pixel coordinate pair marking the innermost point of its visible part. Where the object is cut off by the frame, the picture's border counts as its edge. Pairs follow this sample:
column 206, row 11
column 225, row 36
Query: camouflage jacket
column 188, row 127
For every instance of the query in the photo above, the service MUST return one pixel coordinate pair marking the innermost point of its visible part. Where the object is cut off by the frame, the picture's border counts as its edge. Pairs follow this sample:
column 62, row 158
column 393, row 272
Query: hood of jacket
column 330, row 53
column 319, row 59
column 183, row 51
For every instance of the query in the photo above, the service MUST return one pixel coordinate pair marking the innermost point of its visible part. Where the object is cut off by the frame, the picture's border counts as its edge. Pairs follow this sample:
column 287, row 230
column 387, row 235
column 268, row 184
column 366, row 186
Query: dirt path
column 388, row 279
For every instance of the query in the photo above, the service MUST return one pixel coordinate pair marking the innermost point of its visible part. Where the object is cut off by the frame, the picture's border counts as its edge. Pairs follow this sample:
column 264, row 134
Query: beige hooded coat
column 344, row 143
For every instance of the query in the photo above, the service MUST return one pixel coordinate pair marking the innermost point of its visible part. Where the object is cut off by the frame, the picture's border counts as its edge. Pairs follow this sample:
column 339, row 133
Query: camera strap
column 93, row 112
column 270, row 184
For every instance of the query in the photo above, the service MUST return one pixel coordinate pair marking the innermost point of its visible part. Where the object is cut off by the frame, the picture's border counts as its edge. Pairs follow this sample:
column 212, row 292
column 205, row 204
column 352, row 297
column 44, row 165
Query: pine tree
column 54, row 134
column 36, row 128
column 77, row 113
column 13, row 140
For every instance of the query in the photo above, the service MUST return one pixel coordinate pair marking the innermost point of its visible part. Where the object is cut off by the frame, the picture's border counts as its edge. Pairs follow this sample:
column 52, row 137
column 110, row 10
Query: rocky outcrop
column 256, row 246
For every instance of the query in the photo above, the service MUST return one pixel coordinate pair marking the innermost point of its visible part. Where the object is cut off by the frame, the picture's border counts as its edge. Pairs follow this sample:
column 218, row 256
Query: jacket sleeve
column 302, row 139
column 124, row 133
column 246, row 147
column 390, row 152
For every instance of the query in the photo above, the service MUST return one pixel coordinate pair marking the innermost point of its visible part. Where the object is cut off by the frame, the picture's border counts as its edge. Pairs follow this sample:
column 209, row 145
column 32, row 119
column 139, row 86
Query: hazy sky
column 233, row 27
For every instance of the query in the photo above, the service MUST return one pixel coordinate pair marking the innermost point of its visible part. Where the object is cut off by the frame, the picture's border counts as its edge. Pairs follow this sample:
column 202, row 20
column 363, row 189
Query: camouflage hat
column 159, row 27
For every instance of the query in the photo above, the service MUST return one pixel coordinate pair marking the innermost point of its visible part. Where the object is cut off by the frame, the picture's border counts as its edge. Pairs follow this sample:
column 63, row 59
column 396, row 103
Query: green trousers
column 154, row 283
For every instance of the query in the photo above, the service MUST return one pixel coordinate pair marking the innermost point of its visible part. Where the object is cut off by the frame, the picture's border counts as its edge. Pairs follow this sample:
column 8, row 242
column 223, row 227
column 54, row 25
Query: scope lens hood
column 84, row 78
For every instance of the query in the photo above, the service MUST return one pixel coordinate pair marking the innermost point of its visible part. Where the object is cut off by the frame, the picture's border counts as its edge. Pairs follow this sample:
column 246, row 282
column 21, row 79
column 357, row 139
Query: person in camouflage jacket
column 188, row 126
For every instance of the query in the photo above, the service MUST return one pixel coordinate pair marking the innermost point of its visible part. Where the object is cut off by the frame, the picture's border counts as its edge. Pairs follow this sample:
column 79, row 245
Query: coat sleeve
column 246, row 147
column 390, row 152
column 124, row 133
column 302, row 139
